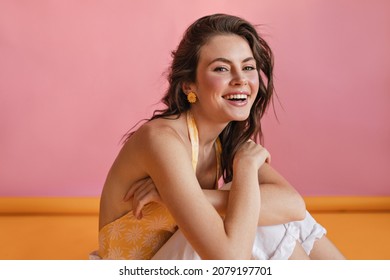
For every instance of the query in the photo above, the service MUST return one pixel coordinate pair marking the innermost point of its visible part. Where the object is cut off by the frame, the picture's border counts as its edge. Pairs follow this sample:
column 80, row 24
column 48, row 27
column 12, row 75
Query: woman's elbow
column 299, row 208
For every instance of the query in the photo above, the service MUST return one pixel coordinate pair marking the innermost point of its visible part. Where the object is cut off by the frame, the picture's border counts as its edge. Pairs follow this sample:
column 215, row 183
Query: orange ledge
column 90, row 205
column 49, row 205
column 348, row 203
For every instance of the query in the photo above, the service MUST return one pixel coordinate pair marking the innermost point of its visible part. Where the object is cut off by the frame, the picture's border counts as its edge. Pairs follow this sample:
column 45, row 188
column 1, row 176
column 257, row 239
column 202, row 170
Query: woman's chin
column 241, row 117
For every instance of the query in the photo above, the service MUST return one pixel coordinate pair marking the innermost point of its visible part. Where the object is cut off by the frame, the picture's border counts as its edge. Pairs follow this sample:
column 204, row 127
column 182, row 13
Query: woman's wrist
column 247, row 163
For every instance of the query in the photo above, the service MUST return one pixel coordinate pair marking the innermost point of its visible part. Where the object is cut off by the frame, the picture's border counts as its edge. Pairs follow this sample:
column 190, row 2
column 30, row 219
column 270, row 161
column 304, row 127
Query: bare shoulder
column 145, row 145
column 157, row 136
column 158, row 127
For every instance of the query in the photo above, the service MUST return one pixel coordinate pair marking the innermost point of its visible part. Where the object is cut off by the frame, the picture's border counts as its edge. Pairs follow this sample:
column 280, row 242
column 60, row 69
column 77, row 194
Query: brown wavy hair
column 183, row 70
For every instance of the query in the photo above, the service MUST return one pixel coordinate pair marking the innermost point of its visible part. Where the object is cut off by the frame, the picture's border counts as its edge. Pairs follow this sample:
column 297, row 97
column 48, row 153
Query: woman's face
column 227, row 80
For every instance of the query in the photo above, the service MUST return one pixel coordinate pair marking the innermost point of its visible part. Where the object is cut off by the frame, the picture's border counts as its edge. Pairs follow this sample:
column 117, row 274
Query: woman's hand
column 142, row 192
column 252, row 153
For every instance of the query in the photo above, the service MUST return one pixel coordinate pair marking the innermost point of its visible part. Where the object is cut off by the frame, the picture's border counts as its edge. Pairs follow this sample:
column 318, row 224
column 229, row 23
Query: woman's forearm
column 279, row 203
column 242, row 209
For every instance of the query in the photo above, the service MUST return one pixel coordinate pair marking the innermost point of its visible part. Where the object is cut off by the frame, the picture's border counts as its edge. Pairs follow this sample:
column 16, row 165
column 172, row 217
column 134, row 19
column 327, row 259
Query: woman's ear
column 187, row 88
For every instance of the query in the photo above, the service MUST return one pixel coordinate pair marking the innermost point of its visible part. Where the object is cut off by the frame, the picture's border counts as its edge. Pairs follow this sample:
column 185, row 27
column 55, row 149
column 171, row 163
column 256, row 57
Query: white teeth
column 236, row 96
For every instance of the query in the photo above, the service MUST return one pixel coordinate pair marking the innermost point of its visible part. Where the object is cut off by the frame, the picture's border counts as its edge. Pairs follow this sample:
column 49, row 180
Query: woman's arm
column 166, row 160
column 280, row 202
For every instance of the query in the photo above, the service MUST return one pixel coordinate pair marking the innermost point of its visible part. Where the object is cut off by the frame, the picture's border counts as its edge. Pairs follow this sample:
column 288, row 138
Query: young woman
column 220, row 85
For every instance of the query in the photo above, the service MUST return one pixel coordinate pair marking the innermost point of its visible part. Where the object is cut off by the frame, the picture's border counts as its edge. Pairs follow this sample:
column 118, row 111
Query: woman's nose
column 239, row 78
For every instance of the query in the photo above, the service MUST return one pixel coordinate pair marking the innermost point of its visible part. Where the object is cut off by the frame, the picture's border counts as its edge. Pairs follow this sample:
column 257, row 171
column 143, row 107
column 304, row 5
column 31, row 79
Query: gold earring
column 191, row 97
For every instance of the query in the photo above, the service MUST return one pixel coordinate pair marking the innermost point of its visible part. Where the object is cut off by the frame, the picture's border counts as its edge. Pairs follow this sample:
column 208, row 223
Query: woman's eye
column 249, row 68
column 220, row 69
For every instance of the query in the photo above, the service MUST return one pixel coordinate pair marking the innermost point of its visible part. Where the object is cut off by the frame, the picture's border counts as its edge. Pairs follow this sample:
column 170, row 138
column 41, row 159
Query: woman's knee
column 299, row 253
column 324, row 249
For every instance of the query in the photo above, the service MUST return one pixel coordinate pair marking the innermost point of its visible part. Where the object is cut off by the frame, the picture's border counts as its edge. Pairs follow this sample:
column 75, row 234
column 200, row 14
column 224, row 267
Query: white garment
column 271, row 242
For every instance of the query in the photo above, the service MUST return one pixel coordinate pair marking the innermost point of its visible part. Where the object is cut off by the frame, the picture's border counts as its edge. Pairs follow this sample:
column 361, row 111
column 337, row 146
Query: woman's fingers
column 141, row 198
column 142, row 193
column 267, row 156
column 264, row 152
column 254, row 152
column 133, row 188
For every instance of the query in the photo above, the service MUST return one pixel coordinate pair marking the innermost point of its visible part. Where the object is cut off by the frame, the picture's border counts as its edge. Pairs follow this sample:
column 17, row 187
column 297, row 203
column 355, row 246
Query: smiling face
column 227, row 80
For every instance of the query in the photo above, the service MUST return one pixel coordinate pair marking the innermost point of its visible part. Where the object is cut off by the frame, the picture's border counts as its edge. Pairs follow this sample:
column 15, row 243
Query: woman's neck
column 208, row 130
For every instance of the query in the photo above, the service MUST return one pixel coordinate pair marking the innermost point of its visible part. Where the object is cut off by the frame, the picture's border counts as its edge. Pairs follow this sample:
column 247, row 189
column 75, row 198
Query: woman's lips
column 237, row 98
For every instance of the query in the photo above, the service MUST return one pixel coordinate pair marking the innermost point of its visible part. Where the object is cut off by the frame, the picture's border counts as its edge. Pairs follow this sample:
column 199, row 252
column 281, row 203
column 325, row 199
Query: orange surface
column 66, row 228
column 42, row 237
column 359, row 235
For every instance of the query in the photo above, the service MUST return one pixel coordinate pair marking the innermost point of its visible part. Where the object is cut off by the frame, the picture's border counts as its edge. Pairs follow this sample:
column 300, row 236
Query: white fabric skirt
column 271, row 242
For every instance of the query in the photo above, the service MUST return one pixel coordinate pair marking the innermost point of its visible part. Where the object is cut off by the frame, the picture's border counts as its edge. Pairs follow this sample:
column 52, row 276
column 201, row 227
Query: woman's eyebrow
column 248, row 59
column 225, row 60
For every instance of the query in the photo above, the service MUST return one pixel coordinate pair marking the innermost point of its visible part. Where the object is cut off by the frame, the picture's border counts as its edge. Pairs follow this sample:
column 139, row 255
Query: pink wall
column 75, row 75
